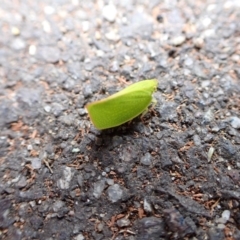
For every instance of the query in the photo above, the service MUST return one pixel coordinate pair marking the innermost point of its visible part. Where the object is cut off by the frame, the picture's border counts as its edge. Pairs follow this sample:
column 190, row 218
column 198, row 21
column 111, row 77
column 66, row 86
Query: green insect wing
column 122, row 106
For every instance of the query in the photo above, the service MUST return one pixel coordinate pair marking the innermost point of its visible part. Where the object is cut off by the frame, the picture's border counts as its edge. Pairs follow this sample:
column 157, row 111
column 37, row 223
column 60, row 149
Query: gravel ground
column 175, row 174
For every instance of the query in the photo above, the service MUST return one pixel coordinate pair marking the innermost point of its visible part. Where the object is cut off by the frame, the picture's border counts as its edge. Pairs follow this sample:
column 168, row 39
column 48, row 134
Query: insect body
column 122, row 106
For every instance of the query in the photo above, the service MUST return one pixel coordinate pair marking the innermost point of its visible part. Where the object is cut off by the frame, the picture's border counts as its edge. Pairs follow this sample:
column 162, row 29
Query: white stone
column 49, row 10
column 47, row 108
column 32, row 50
column 178, row 40
column 79, row 237
column 85, row 26
column 235, row 122
column 226, row 215
column 109, row 12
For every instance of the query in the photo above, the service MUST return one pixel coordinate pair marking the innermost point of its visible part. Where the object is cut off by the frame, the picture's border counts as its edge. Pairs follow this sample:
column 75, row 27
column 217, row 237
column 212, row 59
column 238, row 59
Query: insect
column 122, row 106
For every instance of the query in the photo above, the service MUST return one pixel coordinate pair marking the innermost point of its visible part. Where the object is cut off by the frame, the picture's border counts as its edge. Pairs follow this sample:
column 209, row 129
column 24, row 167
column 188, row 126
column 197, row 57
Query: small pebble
column 210, row 153
column 47, row 108
column 110, row 181
column 198, row 42
column 49, row 10
column 109, row 12
column 221, row 226
column 147, row 206
column 208, row 116
column 75, row 150
column 123, row 222
column 98, row 188
column 226, row 215
column 85, row 26
column 36, row 163
column 235, row 122
column 15, row 31
column 29, row 147
column 114, row 193
column 112, row 36
column 32, row 50
column 79, row 237
column 18, row 44
column 100, row 227
column 22, row 182
column 146, row 159
column 178, row 40
column 58, row 205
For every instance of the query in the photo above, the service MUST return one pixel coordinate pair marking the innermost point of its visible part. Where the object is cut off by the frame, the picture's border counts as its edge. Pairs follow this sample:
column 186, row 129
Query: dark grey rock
column 177, row 224
column 150, row 228
column 116, row 141
column 165, row 156
column 22, row 182
column 190, row 204
column 85, row 141
column 98, row 188
column 143, row 173
column 236, row 234
column 69, row 84
column 208, row 116
column 75, row 70
column 36, row 163
column 226, row 149
column 4, row 144
column 139, row 24
column 189, row 90
column 168, row 111
column 30, row 96
column 101, row 45
column 229, row 194
column 14, row 233
column 67, row 119
column 29, row 195
column 197, row 140
column 96, row 84
column 57, row 109
column 215, row 234
column 58, row 205
column 8, row 113
column 49, row 54
column 87, row 91
column 36, row 222
column 64, row 182
column 5, row 217
column 114, row 67
column 80, row 180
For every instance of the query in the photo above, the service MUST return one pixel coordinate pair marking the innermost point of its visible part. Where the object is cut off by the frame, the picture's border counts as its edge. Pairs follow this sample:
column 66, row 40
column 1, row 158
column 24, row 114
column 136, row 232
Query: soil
column 173, row 174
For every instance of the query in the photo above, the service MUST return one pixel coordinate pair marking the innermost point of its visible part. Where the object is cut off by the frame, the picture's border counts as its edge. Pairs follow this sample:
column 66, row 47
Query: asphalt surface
column 173, row 174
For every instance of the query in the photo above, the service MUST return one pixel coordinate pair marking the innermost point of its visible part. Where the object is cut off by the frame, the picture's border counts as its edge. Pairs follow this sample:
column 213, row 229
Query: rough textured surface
column 173, row 175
